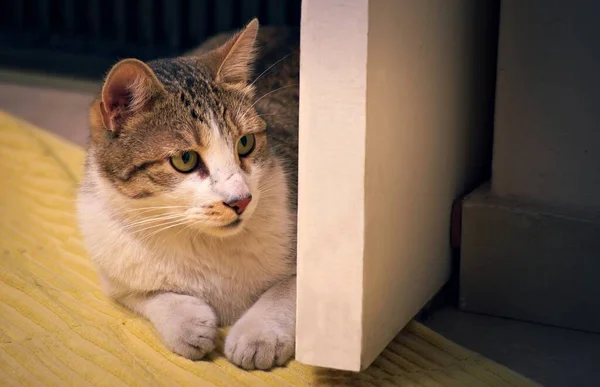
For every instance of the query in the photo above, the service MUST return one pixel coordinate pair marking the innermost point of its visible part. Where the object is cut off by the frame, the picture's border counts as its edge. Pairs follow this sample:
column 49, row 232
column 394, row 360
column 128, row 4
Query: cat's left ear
column 232, row 62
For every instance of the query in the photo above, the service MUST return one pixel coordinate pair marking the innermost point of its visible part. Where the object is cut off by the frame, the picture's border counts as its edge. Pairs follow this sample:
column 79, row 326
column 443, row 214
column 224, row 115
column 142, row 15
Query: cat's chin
column 228, row 230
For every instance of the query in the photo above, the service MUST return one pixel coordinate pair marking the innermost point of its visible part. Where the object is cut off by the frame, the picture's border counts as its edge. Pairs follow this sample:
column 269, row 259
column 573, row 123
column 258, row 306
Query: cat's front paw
column 255, row 343
column 188, row 328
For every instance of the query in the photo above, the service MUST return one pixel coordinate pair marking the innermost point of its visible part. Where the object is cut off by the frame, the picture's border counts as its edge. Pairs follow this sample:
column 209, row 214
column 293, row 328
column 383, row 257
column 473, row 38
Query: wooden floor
column 551, row 356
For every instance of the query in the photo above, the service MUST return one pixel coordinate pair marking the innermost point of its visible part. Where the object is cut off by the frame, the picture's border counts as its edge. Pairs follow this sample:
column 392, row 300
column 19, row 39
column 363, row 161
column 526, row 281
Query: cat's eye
column 185, row 161
column 245, row 145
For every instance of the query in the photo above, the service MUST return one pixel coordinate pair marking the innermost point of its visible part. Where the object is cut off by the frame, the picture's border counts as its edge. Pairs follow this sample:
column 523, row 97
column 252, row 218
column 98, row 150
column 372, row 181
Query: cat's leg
column 187, row 325
column 265, row 335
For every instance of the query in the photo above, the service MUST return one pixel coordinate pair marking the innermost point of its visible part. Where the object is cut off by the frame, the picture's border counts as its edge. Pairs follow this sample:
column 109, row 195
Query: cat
column 188, row 201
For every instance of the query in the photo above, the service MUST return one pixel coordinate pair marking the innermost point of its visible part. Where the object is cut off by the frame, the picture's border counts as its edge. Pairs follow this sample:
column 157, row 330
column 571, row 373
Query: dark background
column 83, row 38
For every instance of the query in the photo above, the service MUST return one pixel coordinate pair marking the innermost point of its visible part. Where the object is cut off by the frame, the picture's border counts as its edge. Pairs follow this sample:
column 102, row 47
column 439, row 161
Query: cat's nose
column 239, row 204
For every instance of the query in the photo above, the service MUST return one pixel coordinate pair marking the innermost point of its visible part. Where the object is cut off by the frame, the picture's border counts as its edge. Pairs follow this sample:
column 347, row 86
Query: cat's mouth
column 228, row 229
column 233, row 224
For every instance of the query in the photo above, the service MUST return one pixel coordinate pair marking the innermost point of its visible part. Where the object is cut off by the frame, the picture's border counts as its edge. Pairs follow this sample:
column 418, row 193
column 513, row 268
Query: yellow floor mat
column 57, row 329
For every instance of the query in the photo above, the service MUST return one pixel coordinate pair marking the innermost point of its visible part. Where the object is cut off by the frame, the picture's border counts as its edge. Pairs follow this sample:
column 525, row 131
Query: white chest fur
column 228, row 273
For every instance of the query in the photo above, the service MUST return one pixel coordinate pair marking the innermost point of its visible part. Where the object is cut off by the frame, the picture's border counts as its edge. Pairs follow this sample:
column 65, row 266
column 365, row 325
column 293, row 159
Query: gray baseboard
column 530, row 262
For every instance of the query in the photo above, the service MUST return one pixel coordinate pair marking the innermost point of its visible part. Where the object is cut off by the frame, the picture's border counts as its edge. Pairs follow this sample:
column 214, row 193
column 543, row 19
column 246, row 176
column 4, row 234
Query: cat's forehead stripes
column 192, row 84
column 205, row 102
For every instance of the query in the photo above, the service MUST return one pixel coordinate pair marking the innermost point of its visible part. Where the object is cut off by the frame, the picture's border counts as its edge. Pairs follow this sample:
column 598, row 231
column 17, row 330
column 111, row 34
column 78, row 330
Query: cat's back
column 278, row 90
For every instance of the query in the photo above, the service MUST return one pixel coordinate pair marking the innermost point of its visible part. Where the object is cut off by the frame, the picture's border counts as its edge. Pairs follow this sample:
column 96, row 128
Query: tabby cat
column 188, row 203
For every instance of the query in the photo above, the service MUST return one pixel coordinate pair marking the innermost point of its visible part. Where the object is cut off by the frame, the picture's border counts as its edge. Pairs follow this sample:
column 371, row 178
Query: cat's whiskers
column 265, row 95
column 155, row 234
column 263, row 73
column 158, row 223
column 157, row 218
column 187, row 227
column 123, row 210
column 145, row 209
column 169, row 226
column 268, row 190
column 268, row 68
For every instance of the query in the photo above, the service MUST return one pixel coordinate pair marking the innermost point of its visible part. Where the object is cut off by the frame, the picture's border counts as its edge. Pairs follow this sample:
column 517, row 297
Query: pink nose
column 239, row 205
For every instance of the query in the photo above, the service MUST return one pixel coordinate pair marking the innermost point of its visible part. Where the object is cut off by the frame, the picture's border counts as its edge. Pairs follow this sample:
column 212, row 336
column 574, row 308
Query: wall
column 530, row 244
column 547, row 142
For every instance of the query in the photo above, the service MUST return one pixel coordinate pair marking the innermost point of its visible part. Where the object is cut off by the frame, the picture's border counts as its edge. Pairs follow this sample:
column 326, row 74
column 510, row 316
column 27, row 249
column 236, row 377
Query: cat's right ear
column 129, row 89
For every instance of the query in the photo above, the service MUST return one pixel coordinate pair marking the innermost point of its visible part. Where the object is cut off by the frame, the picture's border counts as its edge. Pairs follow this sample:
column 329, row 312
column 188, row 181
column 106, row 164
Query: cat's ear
column 129, row 89
column 233, row 60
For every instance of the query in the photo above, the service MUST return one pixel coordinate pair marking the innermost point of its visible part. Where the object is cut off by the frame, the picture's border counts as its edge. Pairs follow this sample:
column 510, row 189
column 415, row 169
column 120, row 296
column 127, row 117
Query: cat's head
column 179, row 138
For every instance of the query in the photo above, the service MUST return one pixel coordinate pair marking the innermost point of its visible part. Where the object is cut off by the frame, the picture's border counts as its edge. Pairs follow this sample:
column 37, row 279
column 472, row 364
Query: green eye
column 245, row 145
column 185, row 162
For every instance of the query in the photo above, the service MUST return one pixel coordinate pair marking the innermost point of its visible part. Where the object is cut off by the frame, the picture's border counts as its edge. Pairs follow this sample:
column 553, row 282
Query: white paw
column 188, row 328
column 259, row 344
